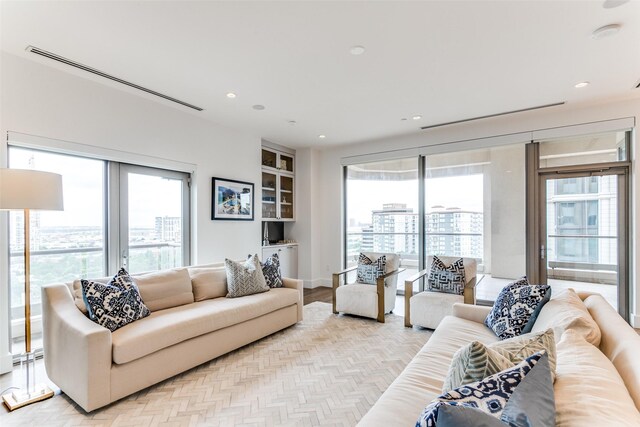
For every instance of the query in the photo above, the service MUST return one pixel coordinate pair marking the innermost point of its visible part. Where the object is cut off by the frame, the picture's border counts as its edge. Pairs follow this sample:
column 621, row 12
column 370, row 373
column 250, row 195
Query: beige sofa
column 595, row 385
column 191, row 322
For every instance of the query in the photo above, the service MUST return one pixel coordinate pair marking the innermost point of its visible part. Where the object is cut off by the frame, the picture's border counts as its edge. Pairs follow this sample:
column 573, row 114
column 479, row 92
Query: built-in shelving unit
column 278, row 188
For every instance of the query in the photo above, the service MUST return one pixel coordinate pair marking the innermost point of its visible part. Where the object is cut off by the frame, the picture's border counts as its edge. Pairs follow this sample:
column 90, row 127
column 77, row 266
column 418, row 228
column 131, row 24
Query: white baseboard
column 6, row 363
column 634, row 320
column 316, row 283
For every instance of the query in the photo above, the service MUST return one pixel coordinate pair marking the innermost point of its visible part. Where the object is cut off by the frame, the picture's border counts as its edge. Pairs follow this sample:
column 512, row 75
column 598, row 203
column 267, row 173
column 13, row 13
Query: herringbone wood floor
column 326, row 370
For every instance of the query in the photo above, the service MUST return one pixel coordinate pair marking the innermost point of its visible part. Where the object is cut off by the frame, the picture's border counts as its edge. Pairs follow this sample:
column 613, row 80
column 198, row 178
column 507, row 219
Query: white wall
column 328, row 248
column 40, row 100
column 304, row 230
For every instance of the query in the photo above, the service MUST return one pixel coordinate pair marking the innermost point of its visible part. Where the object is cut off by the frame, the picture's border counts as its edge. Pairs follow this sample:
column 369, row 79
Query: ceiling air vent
column 493, row 115
column 66, row 61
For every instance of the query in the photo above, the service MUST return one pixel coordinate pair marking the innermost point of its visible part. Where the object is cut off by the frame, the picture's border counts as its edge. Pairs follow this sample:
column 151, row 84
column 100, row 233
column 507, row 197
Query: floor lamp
column 22, row 189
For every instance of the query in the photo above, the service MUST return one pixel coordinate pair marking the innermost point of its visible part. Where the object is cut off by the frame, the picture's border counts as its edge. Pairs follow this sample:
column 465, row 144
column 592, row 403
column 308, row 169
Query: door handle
column 542, row 252
column 124, row 260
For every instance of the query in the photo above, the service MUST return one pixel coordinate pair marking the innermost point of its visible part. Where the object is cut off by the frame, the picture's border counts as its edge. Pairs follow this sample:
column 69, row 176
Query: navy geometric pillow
column 445, row 279
column 369, row 270
column 271, row 271
column 490, row 395
column 516, row 308
column 115, row 304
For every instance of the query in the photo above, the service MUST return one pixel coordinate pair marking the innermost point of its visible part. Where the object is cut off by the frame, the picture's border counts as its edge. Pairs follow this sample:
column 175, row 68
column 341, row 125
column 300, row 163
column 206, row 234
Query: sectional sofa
column 191, row 322
column 597, row 374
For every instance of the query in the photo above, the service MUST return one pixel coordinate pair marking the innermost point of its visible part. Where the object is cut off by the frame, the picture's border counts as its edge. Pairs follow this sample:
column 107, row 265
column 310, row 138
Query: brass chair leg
column 336, row 283
column 408, row 293
column 380, row 286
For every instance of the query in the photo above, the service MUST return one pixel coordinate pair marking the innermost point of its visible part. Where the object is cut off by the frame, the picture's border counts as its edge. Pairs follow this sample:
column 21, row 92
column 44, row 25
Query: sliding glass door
column 583, row 211
column 382, row 211
column 154, row 206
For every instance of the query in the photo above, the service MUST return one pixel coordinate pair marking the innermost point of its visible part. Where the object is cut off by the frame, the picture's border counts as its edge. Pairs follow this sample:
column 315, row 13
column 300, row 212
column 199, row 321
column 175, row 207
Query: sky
column 83, row 184
column 364, row 196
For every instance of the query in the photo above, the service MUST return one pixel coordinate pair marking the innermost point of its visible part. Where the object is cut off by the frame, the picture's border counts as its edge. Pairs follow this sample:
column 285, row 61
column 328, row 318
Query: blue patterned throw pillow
column 517, row 308
column 369, row 270
column 115, row 304
column 488, row 402
column 447, row 279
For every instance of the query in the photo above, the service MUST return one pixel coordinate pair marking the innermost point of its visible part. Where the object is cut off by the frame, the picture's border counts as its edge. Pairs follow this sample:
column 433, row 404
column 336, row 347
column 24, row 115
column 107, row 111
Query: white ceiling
column 443, row 60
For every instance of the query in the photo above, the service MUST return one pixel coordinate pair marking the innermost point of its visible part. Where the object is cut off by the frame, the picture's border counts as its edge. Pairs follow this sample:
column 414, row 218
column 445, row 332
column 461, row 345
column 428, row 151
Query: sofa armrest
column 77, row 351
column 299, row 286
column 475, row 313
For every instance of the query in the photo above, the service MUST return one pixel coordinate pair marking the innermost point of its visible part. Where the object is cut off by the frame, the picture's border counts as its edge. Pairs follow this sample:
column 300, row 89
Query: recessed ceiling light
column 581, row 84
column 610, row 4
column 258, row 107
column 356, row 50
column 606, row 31
column 416, row 117
column 231, row 95
column 404, row 119
column 292, row 122
column 322, row 136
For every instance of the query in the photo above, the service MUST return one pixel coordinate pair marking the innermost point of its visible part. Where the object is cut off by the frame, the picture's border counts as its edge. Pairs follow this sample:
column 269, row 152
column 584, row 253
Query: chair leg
column 380, row 286
column 336, row 283
column 408, row 293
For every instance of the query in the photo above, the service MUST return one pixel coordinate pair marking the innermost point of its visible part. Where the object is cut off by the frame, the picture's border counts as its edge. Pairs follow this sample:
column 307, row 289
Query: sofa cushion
column 208, row 282
column 427, row 308
column 171, row 326
column 567, row 311
column 165, row 289
column 516, row 308
column 589, row 390
column 244, row 278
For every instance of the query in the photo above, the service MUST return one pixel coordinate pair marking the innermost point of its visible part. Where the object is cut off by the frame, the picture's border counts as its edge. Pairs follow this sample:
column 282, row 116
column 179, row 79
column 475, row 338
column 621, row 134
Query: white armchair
column 428, row 308
column 372, row 301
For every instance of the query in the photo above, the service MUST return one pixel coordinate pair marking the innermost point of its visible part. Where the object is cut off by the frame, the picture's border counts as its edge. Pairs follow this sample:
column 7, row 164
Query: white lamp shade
column 30, row 189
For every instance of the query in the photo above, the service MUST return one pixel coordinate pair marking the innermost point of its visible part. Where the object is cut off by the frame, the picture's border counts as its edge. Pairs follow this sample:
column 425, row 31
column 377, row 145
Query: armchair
column 428, row 308
column 372, row 301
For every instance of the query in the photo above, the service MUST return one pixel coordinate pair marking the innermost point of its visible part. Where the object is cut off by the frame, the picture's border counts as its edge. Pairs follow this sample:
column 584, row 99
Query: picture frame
column 232, row 200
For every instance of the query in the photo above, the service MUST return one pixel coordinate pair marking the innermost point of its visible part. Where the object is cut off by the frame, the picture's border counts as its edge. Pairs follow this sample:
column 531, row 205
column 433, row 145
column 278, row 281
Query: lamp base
column 19, row 398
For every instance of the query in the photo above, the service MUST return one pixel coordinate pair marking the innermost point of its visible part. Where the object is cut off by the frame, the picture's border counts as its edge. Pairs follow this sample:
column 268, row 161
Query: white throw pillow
column 588, row 389
column 567, row 311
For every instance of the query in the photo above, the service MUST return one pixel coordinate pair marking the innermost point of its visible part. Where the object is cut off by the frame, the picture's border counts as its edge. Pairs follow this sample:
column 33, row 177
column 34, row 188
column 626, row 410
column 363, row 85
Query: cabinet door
column 269, row 195
column 270, row 159
column 267, row 252
column 285, row 163
column 291, row 254
column 286, row 197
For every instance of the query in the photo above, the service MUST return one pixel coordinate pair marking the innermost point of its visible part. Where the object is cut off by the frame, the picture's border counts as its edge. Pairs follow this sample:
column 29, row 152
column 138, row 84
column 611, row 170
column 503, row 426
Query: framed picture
column 231, row 200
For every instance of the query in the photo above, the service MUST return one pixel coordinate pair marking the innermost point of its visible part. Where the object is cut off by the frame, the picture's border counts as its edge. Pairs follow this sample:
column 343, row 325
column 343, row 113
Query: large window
column 382, row 211
column 149, row 233
column 474, row 207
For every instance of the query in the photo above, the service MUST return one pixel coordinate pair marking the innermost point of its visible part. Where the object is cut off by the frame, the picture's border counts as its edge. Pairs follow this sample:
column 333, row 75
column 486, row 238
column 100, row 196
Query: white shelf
column 268, row 202
column 268, row 189
column 286, row 191
column 285, row 203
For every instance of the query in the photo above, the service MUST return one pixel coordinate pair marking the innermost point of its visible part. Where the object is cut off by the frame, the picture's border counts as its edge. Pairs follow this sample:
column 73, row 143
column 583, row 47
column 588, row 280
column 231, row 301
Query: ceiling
column 442, row 60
